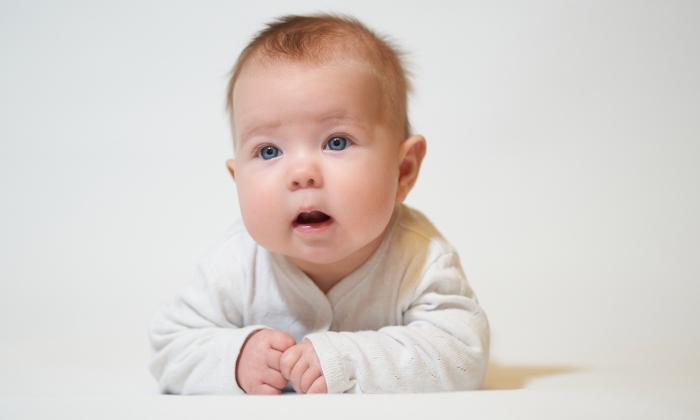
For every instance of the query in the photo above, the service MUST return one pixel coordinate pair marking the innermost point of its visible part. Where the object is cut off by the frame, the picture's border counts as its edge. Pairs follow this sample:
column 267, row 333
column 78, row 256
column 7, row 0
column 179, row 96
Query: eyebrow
column 339, row 117
column 258, row 130
column 345, row 118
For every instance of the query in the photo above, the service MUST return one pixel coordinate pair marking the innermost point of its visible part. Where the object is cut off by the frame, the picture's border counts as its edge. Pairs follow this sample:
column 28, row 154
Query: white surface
column 563, row 150
column 623, row 392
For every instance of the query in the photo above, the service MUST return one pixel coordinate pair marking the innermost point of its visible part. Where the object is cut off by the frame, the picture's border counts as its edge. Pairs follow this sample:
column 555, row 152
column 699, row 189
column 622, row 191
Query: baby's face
column 316, row 164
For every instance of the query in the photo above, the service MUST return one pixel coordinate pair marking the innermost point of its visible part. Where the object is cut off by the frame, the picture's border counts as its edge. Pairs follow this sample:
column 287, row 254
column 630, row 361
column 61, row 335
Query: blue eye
column 269, row 152
column 337, row 143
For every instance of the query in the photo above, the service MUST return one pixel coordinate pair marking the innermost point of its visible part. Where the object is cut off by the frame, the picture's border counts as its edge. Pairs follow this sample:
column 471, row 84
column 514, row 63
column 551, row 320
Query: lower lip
column 314, row 227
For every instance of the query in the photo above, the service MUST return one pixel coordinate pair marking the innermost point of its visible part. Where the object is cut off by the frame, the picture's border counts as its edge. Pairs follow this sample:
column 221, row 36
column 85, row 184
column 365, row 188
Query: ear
column 231, row 170
column 411, row 154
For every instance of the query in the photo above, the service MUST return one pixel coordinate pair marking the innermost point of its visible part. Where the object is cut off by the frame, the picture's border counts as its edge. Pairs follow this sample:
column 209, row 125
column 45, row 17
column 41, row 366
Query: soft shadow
column 500, row 376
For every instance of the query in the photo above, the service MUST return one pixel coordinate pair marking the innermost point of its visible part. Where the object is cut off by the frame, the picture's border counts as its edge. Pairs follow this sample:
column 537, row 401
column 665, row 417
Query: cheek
column 368, row 193
column 259, row 208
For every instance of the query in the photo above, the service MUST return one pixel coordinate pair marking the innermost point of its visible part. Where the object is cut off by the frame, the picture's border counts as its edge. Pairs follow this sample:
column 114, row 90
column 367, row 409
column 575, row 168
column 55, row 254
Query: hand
column 300, row 365
column 258, row 365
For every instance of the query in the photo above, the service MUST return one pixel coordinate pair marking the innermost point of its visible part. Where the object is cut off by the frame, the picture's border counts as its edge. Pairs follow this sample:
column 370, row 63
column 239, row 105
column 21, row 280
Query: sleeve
column 442, row 345
column 196, row 340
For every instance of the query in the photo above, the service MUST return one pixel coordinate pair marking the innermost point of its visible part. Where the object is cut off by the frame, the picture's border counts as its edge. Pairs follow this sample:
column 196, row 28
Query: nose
column 305, row 173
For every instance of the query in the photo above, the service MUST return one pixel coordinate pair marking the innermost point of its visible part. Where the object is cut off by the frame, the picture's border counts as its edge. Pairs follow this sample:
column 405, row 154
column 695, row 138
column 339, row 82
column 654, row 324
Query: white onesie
column 405, row 321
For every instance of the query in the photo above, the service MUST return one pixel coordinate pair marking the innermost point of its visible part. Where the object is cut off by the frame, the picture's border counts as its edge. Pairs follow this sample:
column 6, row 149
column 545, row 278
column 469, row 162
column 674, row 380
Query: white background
column 563, row 150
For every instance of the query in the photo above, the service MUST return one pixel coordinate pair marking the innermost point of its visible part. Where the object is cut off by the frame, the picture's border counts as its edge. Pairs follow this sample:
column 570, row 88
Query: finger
column 281, row 341
column 319, row 386
column 288, row 360
column 265, row 389
column 309, row 377
column 272, row 359
column 297, row 373
column 274, row 378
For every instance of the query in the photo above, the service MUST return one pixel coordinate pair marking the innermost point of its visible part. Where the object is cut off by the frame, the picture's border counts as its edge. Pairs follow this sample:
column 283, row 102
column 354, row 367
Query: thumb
column 319, row 386
column 282, row 341
column 288, row 360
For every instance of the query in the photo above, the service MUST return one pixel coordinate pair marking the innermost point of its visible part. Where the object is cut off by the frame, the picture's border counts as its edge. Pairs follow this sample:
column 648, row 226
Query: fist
column 258, row 368
column 300, row 365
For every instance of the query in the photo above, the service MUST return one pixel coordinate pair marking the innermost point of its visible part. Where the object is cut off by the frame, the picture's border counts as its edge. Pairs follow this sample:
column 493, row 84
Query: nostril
column 311, row 182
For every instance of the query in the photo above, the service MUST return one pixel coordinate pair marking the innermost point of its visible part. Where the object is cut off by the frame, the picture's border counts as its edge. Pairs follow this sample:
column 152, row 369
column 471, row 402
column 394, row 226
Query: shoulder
column 233, row 256
column 415, row 231
column 428, row 261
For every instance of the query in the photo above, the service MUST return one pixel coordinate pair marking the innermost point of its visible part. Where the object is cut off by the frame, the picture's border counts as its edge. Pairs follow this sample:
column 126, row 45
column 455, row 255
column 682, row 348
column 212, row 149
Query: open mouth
column 311, row 218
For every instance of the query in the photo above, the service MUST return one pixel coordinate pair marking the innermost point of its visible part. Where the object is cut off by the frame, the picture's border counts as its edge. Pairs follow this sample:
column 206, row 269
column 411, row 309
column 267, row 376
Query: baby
column 329, row 282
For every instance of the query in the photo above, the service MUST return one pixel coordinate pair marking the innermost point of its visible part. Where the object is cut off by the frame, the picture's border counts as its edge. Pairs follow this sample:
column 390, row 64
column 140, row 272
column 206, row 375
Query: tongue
column 313, row 217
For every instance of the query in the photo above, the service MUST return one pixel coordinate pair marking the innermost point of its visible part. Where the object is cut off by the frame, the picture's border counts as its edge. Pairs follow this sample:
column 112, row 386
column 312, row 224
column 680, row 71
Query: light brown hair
column 324, row 38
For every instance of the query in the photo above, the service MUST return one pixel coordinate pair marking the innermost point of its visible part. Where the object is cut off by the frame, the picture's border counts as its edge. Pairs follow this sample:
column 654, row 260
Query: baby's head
column 319, row 116
column 325, row 39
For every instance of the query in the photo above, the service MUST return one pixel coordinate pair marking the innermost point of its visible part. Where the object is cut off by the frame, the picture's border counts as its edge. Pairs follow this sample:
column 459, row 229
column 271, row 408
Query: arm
column 197, row 340
column 441, row 346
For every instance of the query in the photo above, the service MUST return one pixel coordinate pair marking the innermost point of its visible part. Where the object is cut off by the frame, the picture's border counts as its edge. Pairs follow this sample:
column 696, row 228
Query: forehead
column 286, row 74
column 269, row 95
